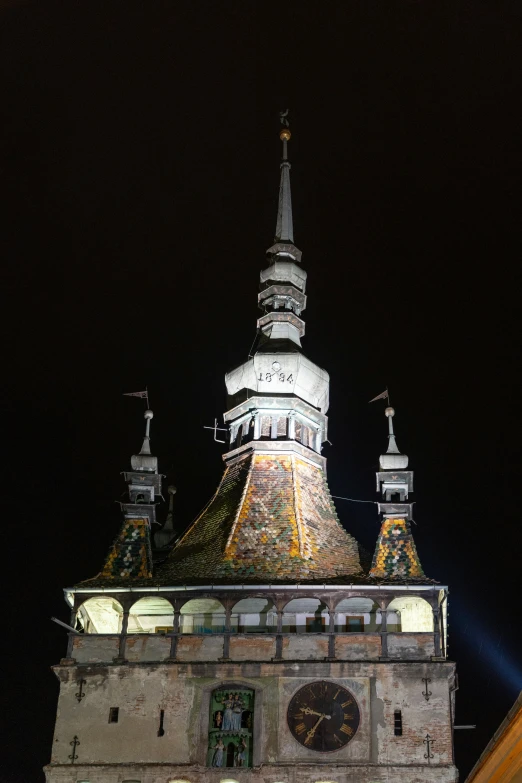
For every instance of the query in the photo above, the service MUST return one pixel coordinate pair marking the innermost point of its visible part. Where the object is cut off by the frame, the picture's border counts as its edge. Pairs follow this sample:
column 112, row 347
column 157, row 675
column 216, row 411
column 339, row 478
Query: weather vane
column 283, row 118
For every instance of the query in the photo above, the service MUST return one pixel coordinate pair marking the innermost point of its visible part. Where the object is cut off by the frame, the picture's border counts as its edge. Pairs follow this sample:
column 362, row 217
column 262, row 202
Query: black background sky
column 140, row 160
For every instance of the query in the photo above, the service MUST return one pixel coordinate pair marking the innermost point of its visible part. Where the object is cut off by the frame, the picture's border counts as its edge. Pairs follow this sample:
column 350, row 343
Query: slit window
column 114, row 714
column 161, row 730
column 397, row 723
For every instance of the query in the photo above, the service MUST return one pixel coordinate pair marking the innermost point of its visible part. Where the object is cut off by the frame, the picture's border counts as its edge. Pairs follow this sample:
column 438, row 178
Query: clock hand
column 310, row 734
column 308, row 711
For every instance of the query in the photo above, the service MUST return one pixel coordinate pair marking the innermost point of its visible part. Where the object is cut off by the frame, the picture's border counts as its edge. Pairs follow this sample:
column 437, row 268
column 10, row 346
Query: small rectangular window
column 355, row 624
column 397, row 723
column 316, row 624
column 114, row 714
column 163, row 629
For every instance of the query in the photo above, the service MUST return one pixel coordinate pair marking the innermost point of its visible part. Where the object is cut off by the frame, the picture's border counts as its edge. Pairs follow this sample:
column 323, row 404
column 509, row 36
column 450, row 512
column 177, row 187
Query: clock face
column 323, row 716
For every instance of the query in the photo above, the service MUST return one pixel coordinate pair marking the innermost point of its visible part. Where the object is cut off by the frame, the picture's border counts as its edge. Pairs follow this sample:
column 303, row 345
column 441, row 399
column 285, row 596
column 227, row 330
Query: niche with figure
column 230, row 728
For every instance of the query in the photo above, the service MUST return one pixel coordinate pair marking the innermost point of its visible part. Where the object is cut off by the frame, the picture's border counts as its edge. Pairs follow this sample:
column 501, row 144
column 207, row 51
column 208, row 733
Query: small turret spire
column 284, row 226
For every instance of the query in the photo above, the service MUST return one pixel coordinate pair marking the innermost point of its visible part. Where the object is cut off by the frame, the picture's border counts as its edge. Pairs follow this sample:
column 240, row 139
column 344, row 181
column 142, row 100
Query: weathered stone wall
column 183, row 690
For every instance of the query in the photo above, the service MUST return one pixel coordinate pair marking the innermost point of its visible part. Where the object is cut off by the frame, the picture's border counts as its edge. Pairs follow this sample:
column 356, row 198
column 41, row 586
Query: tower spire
column 284, row 226
column 395, row 554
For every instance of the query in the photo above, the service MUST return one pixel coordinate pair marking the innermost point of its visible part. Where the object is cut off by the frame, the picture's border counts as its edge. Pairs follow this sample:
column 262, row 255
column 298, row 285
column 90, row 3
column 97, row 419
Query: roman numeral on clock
column 346, row 730
column 300, row 728
column 346, row 703
column 348, row 715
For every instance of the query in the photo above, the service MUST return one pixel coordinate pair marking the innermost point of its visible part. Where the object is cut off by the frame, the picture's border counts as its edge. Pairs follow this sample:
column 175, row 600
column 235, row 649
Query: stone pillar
column 273, row 431
column 384, row 632
column 279, row 637
column 226, row 637
column 174, row 637
column 123, row 636
column 331, row 631
column 436, row 631
column 291, row 425
column 318, row 440
column 257, row 425
column 233, row 433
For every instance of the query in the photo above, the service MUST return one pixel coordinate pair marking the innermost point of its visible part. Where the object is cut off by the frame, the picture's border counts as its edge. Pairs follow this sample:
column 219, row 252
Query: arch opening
column 99, row 614
column 357, row 615
column 254, row 615
column 202, row 615
column 151, row 614
column 410, row 614
column 306, row 615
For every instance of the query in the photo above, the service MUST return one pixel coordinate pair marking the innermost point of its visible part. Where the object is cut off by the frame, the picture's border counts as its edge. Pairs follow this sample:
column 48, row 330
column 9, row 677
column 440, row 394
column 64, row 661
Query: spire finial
column 145, row 449
column 392, row 443
column 284, row 225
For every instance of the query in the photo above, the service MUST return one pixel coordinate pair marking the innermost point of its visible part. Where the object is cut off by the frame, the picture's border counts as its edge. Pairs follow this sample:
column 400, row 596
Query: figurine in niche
column 218, row 719
column 237, row 712
column 228, row 716
column 241, row 753
column 219, row 750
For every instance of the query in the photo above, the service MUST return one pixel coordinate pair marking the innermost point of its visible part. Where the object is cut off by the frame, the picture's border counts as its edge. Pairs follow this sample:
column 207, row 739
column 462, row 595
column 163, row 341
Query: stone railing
column 193, row 648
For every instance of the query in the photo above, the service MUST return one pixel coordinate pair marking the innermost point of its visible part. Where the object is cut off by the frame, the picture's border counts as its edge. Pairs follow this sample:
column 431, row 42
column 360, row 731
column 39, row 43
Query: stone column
column 318, row 440
column 436, row 631
column 384, row 632
column 279, row 636
column 226, row 637
column 331, row 631
column 123, row 636
column 174, row 637
column 257, row 425
column 273, row 431
column 291, row 425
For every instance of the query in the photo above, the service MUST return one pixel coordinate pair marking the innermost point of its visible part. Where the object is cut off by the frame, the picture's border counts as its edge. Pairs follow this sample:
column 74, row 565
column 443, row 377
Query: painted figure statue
column 241, row 753
column 228, row 715
column 219, row 752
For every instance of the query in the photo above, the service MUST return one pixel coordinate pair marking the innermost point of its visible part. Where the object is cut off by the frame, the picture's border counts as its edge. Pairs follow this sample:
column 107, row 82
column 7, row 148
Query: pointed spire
column 284, row 226
column 393, row 459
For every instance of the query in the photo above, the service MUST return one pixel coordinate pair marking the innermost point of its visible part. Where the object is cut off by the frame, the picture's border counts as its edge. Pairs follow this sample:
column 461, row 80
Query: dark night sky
column 140, row 171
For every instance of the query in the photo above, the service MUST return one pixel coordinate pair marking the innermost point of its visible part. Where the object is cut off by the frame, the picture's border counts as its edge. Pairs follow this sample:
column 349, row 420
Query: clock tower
column 257, row 646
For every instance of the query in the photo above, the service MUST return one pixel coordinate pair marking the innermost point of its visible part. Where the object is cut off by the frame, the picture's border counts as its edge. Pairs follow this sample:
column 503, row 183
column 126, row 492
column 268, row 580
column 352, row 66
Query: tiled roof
column 129, row 558
column 395, row 553
column 272, row 519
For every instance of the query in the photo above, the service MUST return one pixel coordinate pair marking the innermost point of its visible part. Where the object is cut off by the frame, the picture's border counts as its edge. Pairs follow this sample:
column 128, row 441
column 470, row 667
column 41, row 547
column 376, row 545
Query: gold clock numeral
column 348, row 715
column 346, row 703
column 339, row 740
column 337, row 694
column 298, row 716
column 346, row 730
column 300, row 728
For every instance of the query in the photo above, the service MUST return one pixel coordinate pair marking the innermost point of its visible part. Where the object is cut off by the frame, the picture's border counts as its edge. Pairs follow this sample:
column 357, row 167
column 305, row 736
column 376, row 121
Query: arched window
column 202, row 615
column 254, row 615
column 410, row 614
column 305, row 615
column 99, row 614
column 151, row 615
column 357, row 615
column 231, row 723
